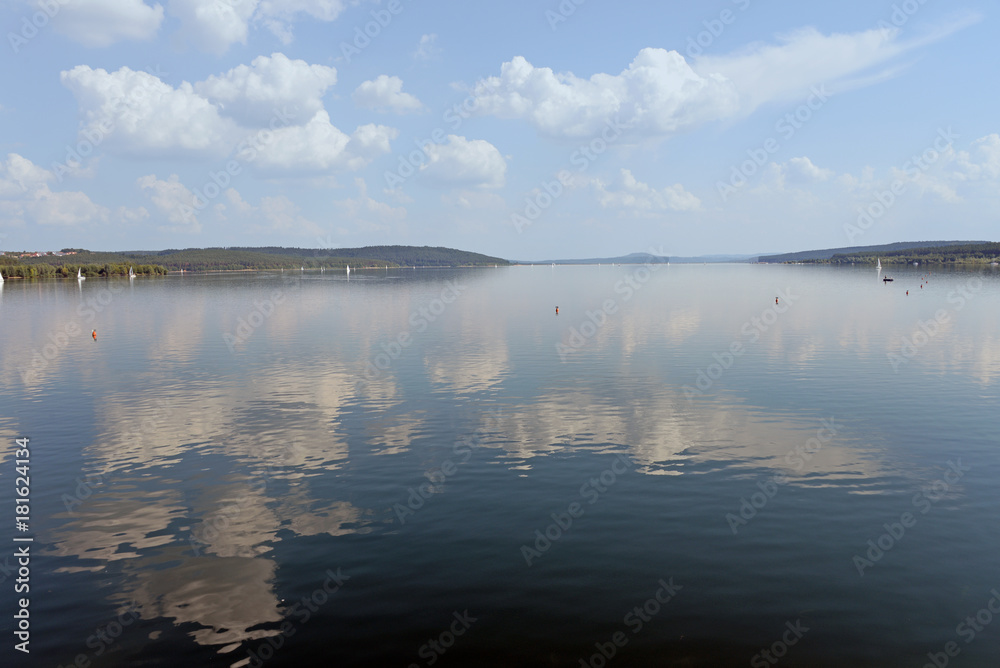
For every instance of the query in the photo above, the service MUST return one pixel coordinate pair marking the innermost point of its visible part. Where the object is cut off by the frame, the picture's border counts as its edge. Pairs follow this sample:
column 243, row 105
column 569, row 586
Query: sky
column 524, row 130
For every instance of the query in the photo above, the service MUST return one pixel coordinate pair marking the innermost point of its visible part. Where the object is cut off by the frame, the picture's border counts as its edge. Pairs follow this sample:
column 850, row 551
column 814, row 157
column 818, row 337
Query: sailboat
column 348, row 270
column 80, row 276
column 1, row 278
column 131, row 273
column 878, row 264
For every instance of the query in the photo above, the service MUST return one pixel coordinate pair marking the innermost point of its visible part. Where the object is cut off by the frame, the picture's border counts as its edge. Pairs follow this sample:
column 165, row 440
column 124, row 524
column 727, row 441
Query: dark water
column 431, row 467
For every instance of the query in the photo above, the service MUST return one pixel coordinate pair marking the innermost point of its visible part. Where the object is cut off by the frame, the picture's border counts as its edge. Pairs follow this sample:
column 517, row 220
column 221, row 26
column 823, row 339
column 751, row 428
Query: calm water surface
column 432, row 467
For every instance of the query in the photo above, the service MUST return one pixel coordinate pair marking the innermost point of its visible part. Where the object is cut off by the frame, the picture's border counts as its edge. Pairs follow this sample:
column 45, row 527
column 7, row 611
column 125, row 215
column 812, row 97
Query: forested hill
column 828, row 253
column 406, row 256
column 97, row 263
column 981, row 253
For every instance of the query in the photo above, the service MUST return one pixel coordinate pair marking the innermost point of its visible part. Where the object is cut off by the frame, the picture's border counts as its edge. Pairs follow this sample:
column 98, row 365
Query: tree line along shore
column 153, row 263
column 986, row 253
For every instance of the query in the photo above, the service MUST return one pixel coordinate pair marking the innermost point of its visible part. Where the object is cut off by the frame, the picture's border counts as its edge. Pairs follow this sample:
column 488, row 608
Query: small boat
column 887, row 280
column 1, row 278
column 131, row 274
column 348, row 270
column 80, row 276
column 878, row 262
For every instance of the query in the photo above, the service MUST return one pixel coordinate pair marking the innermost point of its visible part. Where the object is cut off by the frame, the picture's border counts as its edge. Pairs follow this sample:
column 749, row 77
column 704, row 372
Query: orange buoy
column 775, row 300
column 94, row 334
column 557, row 310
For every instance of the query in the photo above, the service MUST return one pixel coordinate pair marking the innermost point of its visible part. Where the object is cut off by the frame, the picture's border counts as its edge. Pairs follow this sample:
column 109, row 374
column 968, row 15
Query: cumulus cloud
column 657, row 93
column 25, row 197
column 99, row 23
column 803, row 169
column 276, row 214
column 460, row 162
column 19, row 176
column 138, row 114
column 982, row 163
column 252, row 94
column 427, row 49
column 367, row 214
column 248, row 112
column 216, row 25
column 319, row 146
column 174, row 201
column 660, row 94
column 630, row 193
column 385, row 93
column 213, row 26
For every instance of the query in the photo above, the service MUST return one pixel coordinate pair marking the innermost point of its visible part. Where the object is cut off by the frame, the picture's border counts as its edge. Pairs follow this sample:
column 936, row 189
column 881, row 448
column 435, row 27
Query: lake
column 421, row 467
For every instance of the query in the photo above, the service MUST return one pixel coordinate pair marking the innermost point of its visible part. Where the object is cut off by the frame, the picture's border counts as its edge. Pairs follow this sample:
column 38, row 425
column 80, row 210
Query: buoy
column 907, row 292
column 557, row 310
column 775, row 300
column 94, row 334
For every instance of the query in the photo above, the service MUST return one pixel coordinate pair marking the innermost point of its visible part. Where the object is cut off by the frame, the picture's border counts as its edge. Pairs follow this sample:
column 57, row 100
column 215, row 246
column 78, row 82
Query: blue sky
column 527, row 130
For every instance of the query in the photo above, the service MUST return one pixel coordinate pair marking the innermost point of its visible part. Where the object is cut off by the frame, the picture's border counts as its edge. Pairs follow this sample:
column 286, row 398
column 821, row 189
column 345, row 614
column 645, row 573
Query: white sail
column 348, row 270
column 80, row 276
column 879, row 261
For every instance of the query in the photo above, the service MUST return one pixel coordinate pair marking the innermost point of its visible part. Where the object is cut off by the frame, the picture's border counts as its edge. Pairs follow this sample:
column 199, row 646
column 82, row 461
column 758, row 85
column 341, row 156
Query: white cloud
column 137, row 114
column 660, row 94
column 319, row 146
column 274, row 214
column 987, row 168
column 280, row 214
column 25, row 197
column 427, row 49
column 99, row 23
column 630, row 193
column 803, row 169
column 252, row 94
column 385, row 93
column 367, row 214
column 657, row 94
column 215, row 25
column 474, row 200
column 463, row 163
column 803, row 58
column 174, row 201
column 19, row 176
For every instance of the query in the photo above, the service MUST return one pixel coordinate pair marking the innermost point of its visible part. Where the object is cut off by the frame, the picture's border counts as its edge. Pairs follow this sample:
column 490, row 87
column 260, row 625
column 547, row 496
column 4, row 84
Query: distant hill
column 807, row 256
column 631, row 258
column 711, row 259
